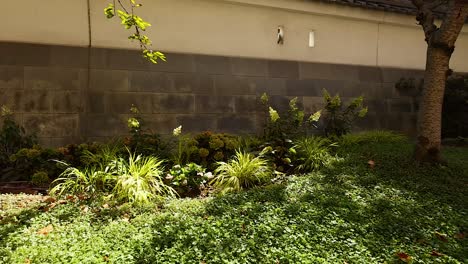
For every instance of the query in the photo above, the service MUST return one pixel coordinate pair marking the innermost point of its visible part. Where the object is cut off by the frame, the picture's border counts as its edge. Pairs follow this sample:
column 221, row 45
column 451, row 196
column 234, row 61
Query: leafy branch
column 126, row 13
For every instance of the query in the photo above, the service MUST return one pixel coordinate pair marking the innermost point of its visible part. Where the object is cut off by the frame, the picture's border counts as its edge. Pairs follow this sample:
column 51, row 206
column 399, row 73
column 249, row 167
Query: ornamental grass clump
column 313, row 153
column 243, row 171
column 139, row 180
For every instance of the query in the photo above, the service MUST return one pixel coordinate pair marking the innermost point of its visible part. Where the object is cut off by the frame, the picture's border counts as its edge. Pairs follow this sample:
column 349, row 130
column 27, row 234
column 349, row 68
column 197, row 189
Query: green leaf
column 109, row 11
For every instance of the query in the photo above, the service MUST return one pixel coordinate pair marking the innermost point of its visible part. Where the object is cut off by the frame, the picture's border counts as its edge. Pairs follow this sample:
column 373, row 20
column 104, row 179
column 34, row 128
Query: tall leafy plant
column 280, row 130
column 339, row 119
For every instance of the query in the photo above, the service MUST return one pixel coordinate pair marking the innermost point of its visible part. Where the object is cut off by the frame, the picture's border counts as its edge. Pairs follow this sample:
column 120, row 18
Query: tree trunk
column 430, row 112
column 441, row 44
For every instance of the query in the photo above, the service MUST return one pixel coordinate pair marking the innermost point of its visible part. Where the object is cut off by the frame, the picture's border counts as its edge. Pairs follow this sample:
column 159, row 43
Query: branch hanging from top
column 128, row 18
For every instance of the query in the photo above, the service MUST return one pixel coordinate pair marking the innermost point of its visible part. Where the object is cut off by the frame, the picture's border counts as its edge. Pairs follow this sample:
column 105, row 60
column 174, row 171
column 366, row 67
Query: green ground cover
column 354, row 211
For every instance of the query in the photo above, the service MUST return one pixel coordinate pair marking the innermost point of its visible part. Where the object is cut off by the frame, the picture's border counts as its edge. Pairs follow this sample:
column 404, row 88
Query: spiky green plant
column 243, row 171
column 139, row 180
column 313, row 153
column 105, row 155
column 89, row 181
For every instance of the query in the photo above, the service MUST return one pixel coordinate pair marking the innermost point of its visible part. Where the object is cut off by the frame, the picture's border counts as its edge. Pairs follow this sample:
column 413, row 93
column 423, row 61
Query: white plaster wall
column 62, row 22
column 244, row 28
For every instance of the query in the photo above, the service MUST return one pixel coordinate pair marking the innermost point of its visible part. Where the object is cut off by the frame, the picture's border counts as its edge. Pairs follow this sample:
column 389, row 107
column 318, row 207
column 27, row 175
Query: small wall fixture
column 312, row 39
column 280, row 35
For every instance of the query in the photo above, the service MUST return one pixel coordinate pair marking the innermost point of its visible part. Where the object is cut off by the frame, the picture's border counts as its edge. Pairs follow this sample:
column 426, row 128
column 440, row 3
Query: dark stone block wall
column 71, row 94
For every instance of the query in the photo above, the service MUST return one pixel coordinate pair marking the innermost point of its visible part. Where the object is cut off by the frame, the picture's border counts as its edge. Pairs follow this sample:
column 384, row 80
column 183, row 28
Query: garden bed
column 394, row 211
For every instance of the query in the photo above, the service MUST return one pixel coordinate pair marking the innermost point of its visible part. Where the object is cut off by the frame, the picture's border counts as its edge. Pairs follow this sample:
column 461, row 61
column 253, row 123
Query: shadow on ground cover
column 350, row 213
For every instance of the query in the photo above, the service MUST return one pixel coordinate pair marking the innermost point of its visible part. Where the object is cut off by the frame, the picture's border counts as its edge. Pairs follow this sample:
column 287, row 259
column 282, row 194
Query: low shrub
column 210, row 148
column 372, row 137
column 188, row 180
column 243, row 171
column 13, row 137
column 40, row 178
column 28, row 161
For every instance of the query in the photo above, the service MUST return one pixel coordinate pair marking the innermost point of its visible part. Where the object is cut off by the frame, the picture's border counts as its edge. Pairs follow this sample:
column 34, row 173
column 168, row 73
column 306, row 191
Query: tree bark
column 441, row 44
column 430, row 112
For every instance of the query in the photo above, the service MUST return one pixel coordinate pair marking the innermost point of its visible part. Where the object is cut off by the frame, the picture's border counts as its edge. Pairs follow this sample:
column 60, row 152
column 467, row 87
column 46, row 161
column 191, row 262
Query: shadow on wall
column 455, row 109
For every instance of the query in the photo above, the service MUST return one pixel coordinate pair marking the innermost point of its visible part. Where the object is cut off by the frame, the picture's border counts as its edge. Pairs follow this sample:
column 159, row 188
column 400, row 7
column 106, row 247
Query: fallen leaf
column 436, row 254
column 46, row 230
column 62, row 201
column 371, row 164
column 49, row 200
column 403, row 256
column 27, row 261
column 441, row 237
column 70, row 198
column 105, row 206
column 84, row 208
column 460, row 235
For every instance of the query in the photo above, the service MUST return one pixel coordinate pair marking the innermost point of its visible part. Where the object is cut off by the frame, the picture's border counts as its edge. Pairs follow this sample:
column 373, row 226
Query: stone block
column 54, row 78
column 332, row 86
column 160, row 124
column 271, row 86
column 22, row 54
column 306, row 87
column 11, row 77
column 370, row 74
column 281, row 103
column 247, row 104
column 123, row 59
column 212, row 64
column 58, row 142
column 52, row 125
column 249, row 67
column 313, row 104
column 121, row 103
column 372, row 121
column 401, row 122
column 214, row 104
column 34, row 101
column 173, row 103
column 237, row 124
column 109, row 80
column 312, row 70
column 96, row 103
column 106, row 125
column 145, row 81
column 197, row 123
column 345, row 72
column 401, row 105
column 393, row 75
column 66, row 102
column 69, row 57
column 377, row 106
column 12, row 98
column 175, row 62
column 98, row 58
column 386, row 90
column 192, row 83
column 233, row 85
column 283, row 69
